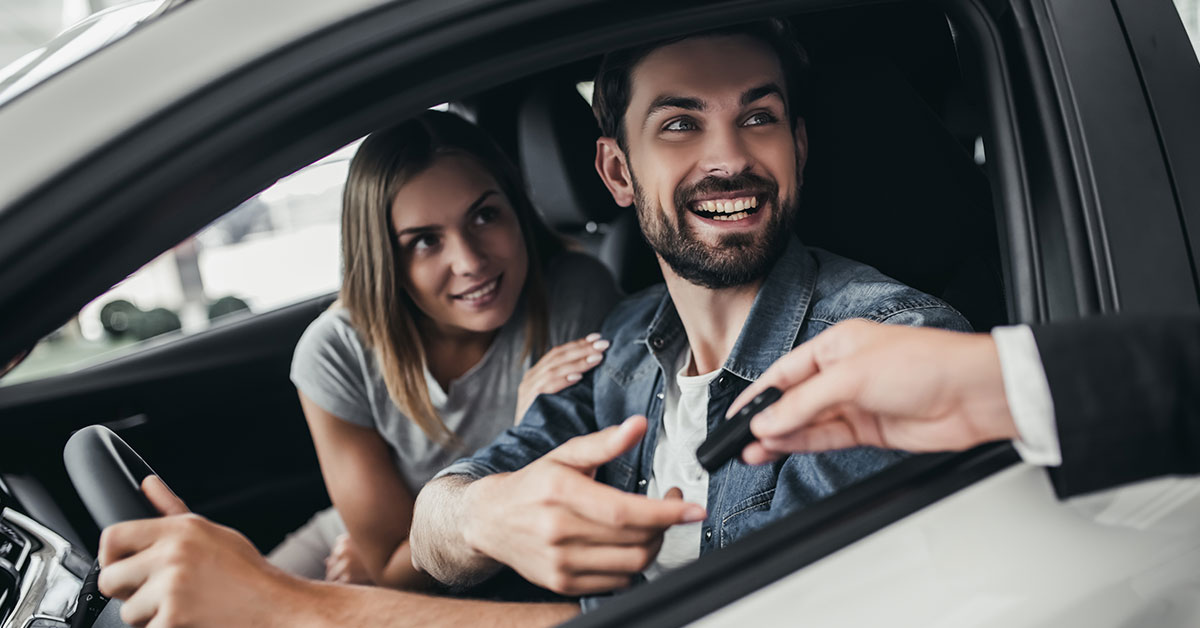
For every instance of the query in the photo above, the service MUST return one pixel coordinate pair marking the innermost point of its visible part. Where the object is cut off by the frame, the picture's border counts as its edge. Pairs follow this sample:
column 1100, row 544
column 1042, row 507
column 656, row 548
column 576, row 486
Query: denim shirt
column 807, row 291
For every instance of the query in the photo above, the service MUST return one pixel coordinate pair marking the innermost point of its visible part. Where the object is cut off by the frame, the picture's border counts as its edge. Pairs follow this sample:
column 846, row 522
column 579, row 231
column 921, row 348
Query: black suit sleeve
column 1126, row 399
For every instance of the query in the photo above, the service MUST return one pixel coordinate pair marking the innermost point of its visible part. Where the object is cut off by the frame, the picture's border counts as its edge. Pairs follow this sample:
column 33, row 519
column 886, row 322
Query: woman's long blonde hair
column 372, row 292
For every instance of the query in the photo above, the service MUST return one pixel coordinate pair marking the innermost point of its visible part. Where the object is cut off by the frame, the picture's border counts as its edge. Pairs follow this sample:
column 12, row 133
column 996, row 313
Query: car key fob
column 733, row 434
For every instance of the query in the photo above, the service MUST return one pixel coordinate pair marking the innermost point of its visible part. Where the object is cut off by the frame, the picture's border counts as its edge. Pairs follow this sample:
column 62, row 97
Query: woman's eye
column 760, row 118
column 486, row 215
column 423, row 242
column 679, row 125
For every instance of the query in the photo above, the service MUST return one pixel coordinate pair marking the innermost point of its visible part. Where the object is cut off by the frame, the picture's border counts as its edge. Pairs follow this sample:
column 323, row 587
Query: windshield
column 75, row 43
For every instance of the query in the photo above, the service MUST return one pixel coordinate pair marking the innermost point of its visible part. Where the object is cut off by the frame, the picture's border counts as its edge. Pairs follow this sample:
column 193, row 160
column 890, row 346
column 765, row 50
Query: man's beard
column 738, row 258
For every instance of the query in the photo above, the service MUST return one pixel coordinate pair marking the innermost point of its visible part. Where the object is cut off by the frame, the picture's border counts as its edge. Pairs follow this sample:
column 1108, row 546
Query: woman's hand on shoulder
column 560, row 367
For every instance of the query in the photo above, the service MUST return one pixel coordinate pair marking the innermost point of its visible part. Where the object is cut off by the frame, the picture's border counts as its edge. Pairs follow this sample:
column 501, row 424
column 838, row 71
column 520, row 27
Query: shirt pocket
column 739, row 522
column 618, row 473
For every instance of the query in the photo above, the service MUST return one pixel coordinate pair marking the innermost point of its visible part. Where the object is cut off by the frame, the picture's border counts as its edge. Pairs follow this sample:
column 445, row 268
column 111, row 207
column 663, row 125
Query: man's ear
column 614, row 171
column 801, row 133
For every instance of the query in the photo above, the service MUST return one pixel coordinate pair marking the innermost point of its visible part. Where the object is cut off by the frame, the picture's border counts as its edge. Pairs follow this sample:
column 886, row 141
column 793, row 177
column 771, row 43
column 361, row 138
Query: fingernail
column 601, row 345
column 592, row 337
column 694, row 514
column 574, row 377
column 594, row 358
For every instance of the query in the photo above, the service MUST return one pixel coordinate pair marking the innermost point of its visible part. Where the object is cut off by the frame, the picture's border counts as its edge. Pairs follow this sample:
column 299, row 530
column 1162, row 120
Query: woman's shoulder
column 330, row 336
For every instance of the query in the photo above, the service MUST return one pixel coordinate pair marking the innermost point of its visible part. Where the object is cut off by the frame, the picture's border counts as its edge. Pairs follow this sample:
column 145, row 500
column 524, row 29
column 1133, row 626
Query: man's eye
column 681, row 124
column 760, row 118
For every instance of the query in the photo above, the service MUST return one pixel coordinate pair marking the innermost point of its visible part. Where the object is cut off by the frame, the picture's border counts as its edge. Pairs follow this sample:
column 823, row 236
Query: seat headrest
column 886, row 183
column 556, row 135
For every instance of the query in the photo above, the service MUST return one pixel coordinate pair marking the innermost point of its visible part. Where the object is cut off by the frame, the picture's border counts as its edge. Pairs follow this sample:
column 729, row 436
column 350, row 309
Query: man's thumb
column 674, row 493
column 161, row 497
column 589, row 451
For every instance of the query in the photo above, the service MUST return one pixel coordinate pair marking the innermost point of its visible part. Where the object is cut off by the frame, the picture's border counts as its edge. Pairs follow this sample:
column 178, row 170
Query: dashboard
column 41, row 573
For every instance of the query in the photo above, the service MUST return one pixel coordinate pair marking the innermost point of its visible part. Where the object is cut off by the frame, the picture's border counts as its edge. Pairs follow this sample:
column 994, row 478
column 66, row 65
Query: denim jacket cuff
column 468, row 467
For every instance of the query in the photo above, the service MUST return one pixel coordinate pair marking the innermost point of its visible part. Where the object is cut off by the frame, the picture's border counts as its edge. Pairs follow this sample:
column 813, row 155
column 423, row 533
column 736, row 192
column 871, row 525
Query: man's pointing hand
column 559, row 528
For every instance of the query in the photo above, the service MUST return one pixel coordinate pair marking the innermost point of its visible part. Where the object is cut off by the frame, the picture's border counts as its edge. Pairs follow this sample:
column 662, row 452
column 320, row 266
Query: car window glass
column 277, row 248
column 585, row 89
column 1189, row 11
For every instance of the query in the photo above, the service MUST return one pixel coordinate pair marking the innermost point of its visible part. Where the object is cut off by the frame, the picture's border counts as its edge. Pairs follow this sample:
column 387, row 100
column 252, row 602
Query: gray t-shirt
column 336, row 371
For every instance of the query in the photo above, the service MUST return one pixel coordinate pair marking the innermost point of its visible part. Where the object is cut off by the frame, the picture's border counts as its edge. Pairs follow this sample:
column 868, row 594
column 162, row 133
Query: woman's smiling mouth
column 481, row 294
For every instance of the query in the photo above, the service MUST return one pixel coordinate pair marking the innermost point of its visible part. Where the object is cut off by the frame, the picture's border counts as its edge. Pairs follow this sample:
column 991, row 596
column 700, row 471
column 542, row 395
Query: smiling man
column 598, row 487
column 704, row 136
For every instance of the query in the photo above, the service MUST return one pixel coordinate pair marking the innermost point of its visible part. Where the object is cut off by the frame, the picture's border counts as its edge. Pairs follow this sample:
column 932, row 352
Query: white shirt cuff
column 1028, row 394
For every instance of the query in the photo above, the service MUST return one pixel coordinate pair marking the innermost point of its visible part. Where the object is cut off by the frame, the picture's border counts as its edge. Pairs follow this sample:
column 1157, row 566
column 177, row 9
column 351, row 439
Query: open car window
column 279, row 247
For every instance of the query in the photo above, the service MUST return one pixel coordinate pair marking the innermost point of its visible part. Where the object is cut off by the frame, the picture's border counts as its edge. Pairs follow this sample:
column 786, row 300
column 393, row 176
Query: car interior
column 898, row 178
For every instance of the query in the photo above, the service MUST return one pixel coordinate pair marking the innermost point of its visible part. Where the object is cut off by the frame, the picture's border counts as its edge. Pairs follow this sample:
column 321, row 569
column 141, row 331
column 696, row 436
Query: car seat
column 556, row 135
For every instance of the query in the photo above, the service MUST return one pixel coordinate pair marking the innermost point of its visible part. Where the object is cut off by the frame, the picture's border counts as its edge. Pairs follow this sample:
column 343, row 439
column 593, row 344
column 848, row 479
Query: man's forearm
column 439, row 546
column 326, row 605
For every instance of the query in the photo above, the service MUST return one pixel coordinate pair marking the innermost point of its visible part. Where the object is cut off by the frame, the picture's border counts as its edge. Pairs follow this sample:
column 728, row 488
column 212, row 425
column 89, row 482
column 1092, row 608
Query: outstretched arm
column 183, row 570
column 862, row 383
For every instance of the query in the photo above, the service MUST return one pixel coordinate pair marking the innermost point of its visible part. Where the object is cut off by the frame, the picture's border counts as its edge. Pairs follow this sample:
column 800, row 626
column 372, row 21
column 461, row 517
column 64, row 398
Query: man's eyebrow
column 427, row 228
column 675, row 102
column 762, row 91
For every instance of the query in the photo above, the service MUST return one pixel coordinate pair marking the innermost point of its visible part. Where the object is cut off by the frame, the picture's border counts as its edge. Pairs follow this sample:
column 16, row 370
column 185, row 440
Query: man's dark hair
column 611, row 91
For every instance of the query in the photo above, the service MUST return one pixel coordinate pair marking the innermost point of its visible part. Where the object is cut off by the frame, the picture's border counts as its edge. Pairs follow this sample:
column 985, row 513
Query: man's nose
column 725, row 154
column 467, row 257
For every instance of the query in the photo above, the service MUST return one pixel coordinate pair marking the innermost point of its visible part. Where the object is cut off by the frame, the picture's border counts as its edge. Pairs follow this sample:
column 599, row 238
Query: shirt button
column 642, row 482
column 721, row 381
column 657, row 342
column 708, row 534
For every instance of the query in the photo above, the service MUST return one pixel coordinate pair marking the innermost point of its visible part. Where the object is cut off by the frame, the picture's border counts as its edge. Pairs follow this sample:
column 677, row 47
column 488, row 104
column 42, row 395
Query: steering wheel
column 107, row 473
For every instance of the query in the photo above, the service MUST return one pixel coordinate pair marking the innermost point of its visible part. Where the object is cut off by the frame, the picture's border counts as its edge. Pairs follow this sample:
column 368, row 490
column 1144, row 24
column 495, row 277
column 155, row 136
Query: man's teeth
column 482, row 292
column 737, row 216
column 728, row 206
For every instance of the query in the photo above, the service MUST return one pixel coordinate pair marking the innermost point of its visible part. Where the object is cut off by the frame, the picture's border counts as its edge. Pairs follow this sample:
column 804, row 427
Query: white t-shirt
column 684, row 427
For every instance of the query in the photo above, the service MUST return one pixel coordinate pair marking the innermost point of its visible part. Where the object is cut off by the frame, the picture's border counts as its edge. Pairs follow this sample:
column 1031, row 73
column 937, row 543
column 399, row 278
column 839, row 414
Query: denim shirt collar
column 771, row 328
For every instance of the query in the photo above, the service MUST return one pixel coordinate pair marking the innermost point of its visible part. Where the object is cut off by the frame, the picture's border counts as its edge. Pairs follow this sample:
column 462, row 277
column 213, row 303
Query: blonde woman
column 454, row 292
